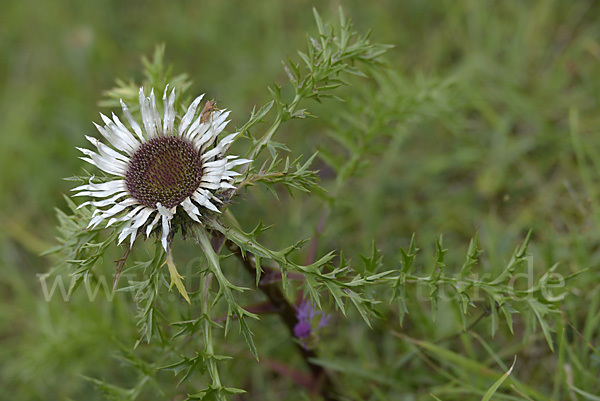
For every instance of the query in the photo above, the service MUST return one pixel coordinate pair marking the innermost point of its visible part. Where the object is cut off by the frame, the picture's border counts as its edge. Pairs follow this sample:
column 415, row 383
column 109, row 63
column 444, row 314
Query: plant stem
column 208, row 344
column 266, row 137
column 322, row 380
column 282, row 115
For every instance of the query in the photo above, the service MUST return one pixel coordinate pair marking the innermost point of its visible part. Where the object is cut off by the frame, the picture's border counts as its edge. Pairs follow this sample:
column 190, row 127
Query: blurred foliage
column 486, row 121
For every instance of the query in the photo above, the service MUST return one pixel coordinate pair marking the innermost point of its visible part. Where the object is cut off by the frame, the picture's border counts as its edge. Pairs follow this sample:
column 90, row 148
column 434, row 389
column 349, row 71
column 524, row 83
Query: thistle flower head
column 307, row 325
column 167, row 162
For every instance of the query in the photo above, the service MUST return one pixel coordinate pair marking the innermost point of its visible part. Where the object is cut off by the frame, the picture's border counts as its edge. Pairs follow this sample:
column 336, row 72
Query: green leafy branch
column 335, row 51
column 501, row 294
column 79, row 248
column 319, row 275
column 147, row 294
column 301, row 178
column 225, row 290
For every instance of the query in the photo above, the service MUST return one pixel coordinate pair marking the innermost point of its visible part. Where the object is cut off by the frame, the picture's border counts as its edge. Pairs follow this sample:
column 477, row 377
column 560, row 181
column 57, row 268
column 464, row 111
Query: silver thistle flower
column 159, row 167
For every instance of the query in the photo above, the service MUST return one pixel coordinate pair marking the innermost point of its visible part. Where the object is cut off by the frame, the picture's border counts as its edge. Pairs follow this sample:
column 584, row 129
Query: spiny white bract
column 159, row 167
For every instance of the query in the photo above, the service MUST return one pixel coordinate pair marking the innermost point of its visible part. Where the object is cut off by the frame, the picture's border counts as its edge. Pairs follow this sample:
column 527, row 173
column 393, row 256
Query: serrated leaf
column 408, row 256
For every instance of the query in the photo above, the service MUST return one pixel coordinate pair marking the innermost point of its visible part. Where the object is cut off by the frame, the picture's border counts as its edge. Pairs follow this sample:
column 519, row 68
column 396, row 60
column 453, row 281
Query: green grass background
column 507, row 141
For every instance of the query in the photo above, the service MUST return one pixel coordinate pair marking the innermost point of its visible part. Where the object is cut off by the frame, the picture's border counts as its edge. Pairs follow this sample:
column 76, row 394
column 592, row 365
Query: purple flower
column 306, row 314
column 302, row 329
